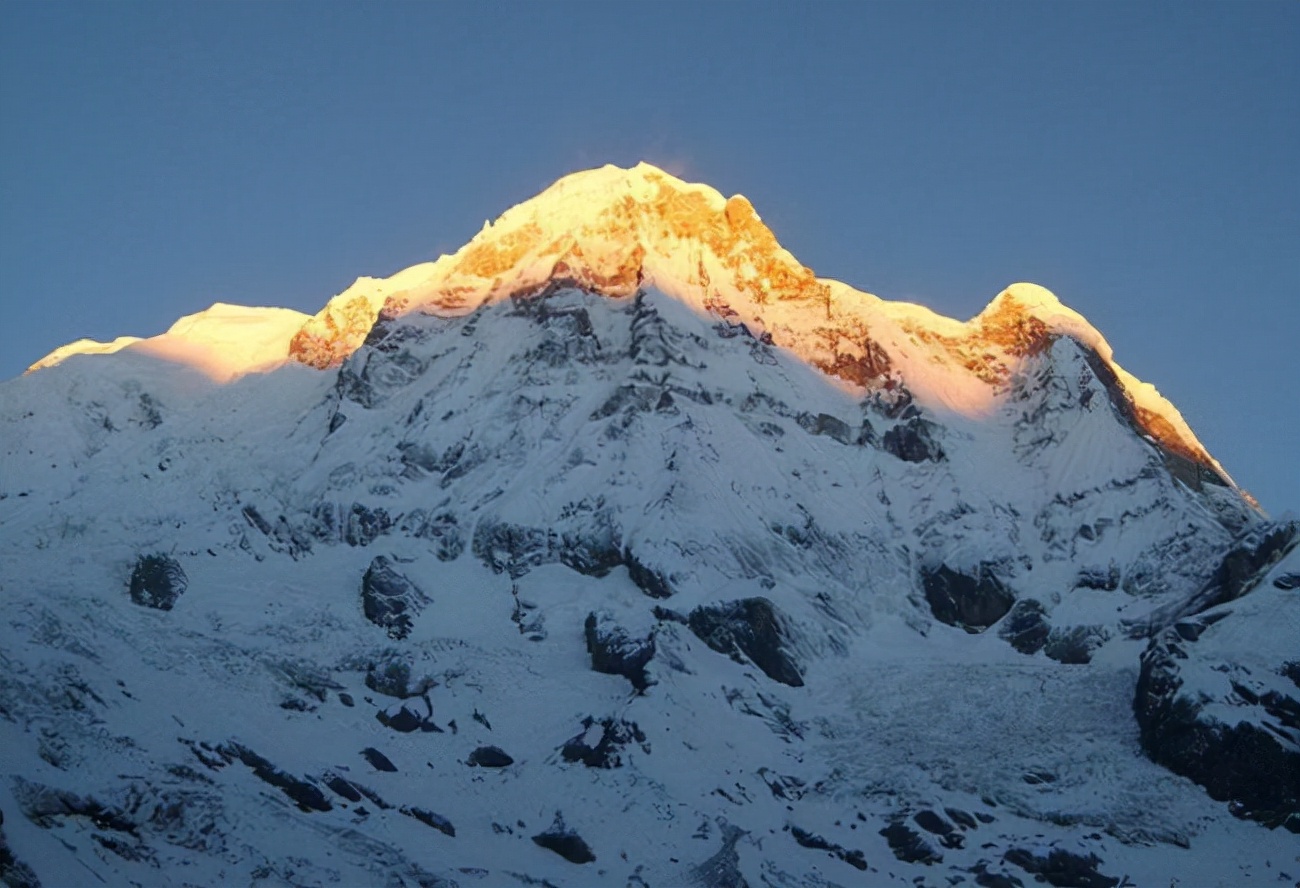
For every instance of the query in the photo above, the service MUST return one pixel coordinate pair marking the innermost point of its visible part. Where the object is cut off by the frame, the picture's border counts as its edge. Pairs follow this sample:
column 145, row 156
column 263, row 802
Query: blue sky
column 1137, row 159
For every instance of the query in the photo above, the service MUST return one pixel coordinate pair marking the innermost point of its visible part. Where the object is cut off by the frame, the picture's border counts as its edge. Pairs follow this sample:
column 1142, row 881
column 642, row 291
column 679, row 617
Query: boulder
column 157, row 581
column 565, row 842
column 489, row 757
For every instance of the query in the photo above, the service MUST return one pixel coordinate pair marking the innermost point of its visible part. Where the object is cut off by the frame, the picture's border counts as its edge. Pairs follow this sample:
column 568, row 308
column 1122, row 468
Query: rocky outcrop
column 1026, row 628
column 749, row 630
column 1075, row 645
column 1227, row 721
column 652, row 582
column 304, row 793
column 586, row 541
column 913, row 441
column 971, row 602
column 601, row 743
column 489, row 757
column 389, row 599
column 565, row 842
column 157, row 581
column 615, row 652
column 1061, row 868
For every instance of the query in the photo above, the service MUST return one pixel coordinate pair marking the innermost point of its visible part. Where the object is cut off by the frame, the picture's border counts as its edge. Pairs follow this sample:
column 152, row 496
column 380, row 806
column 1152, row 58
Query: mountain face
column 620, row 549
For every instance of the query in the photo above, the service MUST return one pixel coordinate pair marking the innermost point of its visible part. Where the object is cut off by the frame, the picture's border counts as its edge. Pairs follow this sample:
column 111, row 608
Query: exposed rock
column 1233, row 728
column 913, row 441
column 972, row 603
column 1107, row 578
column 1240, row 571
column 364, row 525
column 614, row 652
column 1076, row 644
column 42, row 804
column 647, row 579
column 1061, row 868
column 908, row 846
column 830, row 426
column 748, row 630
column 157, row 581
column 14, row 873
column 584, row 540
column 489, row 757
column 437, row 821
column 390, row 675
column 1288, row 581
column 933, row 823
column 378, row 760
column 601, row 742
column 412, row 714
column 565, row 842
column 304, row 793
column 389, row 599
column 1026, row 628
column 853, row 858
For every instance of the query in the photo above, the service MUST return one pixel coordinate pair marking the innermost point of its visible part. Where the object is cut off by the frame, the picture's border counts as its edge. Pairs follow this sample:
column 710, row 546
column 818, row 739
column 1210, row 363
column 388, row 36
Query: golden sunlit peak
column 615, row 232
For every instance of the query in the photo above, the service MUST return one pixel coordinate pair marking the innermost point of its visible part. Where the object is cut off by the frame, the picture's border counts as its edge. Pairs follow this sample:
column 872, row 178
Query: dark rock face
column 853, row 858
column 590, row 545
column 489, row 757
column 830, row 426
column 614, row 652
column 748, row 630
column 414, row 714
column 364, row 525
column 304, row 793
column 1076, row 644
column 1061, row 868
column 1240, row 571
column 157, row 581
column 13, row 872
column 1106, row 579
column 973, row 603
column 1252, row 764
column 378, row 760
column 647, row 579
column 1026, row 628
column 389, row 599
column 934, row 823
column 437, row 821
column 390, row 675
column 1287, row 582
column 908, row 846
column 605, row 750
column 565, row 842
column 913, row 441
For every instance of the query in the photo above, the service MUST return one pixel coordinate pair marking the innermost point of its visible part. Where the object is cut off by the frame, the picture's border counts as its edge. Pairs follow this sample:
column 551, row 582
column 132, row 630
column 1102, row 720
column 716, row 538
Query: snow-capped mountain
column 620, row 549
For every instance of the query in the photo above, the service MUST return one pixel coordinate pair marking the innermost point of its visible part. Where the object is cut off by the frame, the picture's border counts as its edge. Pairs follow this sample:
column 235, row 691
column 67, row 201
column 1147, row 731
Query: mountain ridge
column 611, row 230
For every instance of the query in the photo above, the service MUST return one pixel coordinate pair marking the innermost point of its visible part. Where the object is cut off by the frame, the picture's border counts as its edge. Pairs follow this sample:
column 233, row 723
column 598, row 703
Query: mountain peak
column 616, row 231
column 607, row 230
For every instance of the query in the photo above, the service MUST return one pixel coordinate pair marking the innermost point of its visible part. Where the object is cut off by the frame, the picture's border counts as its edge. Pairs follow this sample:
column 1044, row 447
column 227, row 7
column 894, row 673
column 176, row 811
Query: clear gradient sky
column 1141, row 160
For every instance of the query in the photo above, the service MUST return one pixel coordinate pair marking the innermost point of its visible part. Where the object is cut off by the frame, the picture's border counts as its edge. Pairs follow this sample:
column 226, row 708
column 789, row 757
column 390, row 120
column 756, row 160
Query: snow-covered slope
column 618, row 549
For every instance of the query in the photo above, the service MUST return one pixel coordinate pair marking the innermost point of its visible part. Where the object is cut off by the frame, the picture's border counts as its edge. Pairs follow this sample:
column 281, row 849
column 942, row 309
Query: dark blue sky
column 1140, row 160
